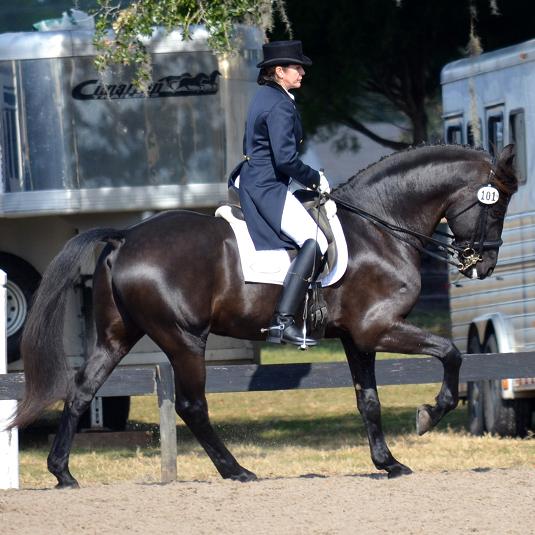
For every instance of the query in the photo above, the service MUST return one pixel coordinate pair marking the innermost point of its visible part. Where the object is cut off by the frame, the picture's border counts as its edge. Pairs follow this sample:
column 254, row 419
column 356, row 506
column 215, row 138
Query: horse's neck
column 414, row 199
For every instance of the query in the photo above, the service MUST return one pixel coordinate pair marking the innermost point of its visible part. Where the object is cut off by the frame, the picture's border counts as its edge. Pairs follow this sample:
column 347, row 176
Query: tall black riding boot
column 303, row 270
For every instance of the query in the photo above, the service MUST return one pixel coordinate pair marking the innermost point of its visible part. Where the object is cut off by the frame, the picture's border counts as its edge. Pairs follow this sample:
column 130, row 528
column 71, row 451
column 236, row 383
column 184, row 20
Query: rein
column 468, row 253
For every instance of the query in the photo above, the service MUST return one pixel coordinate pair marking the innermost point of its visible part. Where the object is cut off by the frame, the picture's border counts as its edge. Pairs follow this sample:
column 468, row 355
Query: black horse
column 176, row 278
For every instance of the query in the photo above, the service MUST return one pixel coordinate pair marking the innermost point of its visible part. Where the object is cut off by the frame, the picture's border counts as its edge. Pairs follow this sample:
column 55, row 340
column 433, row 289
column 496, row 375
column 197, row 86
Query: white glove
column 324, row 186
column 330, row 209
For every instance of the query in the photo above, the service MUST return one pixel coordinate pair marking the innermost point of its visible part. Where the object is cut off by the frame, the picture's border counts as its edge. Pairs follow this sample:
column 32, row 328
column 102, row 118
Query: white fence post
column 9, row 440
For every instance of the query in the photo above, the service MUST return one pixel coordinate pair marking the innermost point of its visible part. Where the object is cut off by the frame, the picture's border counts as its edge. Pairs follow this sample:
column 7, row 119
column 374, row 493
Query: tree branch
column 352, row 123
column 390, row 88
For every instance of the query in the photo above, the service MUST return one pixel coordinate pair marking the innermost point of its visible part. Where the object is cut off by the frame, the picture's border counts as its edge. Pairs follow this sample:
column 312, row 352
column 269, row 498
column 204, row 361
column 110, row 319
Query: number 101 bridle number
column 488, row 195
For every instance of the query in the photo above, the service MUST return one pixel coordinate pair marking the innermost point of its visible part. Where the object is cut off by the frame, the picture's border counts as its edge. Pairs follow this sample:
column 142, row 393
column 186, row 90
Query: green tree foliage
column 381, row 59
column 136, row 21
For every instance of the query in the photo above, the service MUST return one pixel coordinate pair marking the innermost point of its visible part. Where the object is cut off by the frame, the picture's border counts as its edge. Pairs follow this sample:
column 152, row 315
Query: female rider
column 275, row 218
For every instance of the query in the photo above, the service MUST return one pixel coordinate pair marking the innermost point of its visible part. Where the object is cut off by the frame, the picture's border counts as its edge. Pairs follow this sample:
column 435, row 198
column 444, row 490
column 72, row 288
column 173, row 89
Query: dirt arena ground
column 481, row 501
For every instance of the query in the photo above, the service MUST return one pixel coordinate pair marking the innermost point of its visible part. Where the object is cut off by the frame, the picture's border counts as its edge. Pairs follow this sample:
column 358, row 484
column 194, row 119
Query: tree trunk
column 419, row 121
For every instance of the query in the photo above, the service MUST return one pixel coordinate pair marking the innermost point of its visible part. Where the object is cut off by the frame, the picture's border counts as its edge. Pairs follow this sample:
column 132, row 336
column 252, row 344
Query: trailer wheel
column 503, row 417
column 476, row 420
column 22, row 281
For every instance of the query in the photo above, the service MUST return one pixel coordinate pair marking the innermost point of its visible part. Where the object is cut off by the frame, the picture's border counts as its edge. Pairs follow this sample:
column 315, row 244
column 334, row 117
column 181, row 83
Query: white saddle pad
column 271, row 266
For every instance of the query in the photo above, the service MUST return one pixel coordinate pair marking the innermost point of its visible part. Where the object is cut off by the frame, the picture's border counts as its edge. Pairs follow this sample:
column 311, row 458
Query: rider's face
column 290, row 76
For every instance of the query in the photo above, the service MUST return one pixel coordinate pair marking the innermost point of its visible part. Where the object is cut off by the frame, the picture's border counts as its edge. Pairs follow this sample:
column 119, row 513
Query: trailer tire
column 524, row 409
column 503, row 417
column 22, row 282
column 476, row 419
column 474, row 395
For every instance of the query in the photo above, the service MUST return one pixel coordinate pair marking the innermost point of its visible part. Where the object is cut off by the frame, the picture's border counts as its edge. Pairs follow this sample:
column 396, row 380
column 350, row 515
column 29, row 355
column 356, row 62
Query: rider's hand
column 330, row 209
column 324, row 186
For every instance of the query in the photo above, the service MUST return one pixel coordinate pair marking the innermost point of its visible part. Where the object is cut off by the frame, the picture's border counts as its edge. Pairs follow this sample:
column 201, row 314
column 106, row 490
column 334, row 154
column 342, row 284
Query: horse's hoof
column 68, row 485
column 244, row 476
column 423, row 419
column 398, row 471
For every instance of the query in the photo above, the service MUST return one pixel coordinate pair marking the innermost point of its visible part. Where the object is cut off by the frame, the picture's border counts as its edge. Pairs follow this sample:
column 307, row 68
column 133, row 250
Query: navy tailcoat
column 273, row 133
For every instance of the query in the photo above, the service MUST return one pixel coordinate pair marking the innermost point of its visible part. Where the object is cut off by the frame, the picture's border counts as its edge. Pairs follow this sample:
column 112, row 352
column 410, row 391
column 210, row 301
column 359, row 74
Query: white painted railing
column 9, row 440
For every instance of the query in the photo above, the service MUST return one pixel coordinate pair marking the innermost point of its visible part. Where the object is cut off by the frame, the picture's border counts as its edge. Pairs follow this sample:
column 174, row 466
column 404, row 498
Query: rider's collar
column 275, row 85
column 288, row 93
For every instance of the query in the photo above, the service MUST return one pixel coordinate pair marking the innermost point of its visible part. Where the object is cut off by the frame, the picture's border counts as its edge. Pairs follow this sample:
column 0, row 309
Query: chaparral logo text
column 169, row 86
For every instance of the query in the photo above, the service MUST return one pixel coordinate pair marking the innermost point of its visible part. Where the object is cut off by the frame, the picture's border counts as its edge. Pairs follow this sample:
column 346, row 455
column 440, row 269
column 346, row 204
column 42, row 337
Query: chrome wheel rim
column 17, row 308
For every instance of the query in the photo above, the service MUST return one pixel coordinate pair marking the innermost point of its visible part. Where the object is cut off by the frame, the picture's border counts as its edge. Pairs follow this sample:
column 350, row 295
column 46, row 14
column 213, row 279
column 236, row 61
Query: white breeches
column 297, row 223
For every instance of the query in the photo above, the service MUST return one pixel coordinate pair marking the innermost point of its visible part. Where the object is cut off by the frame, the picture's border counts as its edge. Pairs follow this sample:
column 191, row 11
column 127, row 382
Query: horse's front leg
column 362, row 365
column 406, row 338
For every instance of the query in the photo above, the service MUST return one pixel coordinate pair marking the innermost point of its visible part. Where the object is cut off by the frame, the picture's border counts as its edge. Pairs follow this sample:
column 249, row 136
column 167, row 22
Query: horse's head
column 477, row 214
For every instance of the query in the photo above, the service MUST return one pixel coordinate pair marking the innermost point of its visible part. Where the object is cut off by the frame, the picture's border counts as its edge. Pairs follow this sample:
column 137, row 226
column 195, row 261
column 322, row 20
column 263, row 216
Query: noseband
column 467, row 253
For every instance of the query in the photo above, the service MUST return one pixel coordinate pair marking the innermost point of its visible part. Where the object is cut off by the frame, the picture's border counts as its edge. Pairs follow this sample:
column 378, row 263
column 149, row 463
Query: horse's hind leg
column 362, row 365
column 189, row 367
column 88, row 380
column 406, row 338
column 115, row 337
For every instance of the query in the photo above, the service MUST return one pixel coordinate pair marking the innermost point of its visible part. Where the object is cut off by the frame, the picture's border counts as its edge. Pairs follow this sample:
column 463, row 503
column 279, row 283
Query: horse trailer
column 488, row 102
column 80, row 150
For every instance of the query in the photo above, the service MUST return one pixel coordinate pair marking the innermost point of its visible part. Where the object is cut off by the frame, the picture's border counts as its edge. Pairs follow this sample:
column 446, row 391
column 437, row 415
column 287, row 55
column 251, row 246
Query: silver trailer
column 494, row 93
column 79, row 151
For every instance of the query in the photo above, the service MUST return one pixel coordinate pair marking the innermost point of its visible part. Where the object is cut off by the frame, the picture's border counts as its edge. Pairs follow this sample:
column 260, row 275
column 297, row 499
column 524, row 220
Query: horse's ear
column 507, row 155
column 506, row 169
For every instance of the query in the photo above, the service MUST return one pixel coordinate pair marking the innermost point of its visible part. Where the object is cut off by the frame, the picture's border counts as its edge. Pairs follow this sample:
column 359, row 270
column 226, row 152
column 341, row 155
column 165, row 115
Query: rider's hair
column 266, row 74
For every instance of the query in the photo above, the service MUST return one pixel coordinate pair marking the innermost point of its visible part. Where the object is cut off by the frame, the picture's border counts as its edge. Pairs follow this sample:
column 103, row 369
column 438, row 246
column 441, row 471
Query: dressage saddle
column 309, row 199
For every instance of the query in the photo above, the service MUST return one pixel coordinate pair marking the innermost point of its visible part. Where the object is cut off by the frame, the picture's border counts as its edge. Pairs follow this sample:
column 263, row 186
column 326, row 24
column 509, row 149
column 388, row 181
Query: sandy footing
column 482, row 501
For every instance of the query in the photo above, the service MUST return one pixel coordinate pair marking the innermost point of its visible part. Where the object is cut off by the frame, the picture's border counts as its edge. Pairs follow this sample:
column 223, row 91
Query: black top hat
column 284, row 53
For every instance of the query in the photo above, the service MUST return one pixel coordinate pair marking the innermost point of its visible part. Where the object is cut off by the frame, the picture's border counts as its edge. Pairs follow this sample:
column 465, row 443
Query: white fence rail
column 9, row 440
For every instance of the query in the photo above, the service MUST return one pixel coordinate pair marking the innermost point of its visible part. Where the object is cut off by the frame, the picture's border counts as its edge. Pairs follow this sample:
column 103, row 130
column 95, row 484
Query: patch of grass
column 291, row 433
column 326, row 351
column 437, row 322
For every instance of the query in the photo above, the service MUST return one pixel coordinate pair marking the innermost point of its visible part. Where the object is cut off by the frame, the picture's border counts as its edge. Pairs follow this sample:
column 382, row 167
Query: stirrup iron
column 303, row 346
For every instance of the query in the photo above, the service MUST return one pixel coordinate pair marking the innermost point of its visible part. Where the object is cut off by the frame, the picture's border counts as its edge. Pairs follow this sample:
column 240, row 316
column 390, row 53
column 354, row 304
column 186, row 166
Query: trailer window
column 454, row 134
column 495, row 134
column 517, row 135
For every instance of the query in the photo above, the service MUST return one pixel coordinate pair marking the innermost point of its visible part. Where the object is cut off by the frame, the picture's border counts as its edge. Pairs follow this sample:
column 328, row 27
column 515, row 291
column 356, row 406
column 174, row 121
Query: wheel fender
column 500, row 325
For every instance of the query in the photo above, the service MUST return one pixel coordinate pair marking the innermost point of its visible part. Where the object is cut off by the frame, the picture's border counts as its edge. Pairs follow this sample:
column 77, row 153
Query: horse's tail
column 47, row 374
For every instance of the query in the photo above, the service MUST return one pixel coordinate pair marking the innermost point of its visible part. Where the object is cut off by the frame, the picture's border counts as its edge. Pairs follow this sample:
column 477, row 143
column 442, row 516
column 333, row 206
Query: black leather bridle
column 469, row 253
column 466, row 253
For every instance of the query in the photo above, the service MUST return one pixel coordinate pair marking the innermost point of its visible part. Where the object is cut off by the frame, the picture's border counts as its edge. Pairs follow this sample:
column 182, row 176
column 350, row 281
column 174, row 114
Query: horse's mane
column 413, row 156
